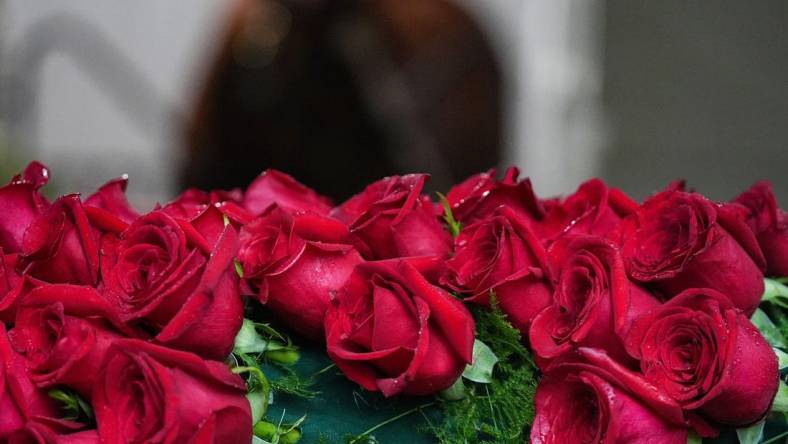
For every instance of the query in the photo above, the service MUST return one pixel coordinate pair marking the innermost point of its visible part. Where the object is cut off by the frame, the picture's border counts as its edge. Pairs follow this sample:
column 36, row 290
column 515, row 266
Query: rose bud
column 593, row 209
column 395, row 220
column 20, row 204
column 679, row 240
column 389, row 329
column 20, row 400
column 706, row 355
column 61, row 246
column 147, row 392
column 111, row 198
column 36, row 433
column 62, row 332
column 179, row 284
column 594, row 302
column 276, row 187
column 297, row 260
column 579, row 402
column 501, row 254
column 770, row 225
column 480, row 195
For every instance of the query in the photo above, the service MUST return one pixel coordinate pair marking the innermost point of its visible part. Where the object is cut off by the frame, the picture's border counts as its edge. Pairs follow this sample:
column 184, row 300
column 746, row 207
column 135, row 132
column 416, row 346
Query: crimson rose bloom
column 580, row 402
column 594, row 301
column 297, row 261
column 60, row 244
column 166, row 275
column 707, row 356
column 193, row 202
column 389, row 329
column 679, row 240
column 36, row 433
column 12, row 286
column 770, row 225
column 592, row 209
column 64, row 333
column 20, row 400
column 147, row 393
column 276, row 187
column 20, row 204
column 395, row 220
column 479, row 195
column 111, row 198
column 502, row 254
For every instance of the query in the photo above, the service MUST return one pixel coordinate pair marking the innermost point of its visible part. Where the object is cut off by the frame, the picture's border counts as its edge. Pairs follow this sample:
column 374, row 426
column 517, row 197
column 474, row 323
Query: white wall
column 78, row 123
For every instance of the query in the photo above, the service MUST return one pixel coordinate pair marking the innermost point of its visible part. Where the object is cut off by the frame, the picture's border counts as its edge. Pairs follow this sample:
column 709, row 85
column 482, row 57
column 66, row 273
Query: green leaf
column 239, row 269
column 501, row 411
column 74, row 407
column 455, row 392
column 693, row 438
column 294, row 384
column 454, row 226
column 248, row 340
column 752, row 434
column 780, row 403
column 782, row 358
column 258, row 400
column 481, row 368
column 775, row 292
column 769, row 331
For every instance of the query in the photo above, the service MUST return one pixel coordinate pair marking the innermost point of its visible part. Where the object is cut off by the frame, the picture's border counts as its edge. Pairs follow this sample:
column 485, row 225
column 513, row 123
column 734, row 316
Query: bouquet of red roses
column 607, row 320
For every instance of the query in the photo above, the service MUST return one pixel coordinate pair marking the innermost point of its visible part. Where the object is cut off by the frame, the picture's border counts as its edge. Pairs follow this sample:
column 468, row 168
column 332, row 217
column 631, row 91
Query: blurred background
column 339, row 93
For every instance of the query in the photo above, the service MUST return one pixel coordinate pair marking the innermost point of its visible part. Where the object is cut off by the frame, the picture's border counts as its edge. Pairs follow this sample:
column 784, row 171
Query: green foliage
column 484, row 360
column 501, row 411
column 74, row 407
column 770, row 332
column 452, row 223
column 294, row 384
column 279, row 433
column 493, row 329
column 752, row 434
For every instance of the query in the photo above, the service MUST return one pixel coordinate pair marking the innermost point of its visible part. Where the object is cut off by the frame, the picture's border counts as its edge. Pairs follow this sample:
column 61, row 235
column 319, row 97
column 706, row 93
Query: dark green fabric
column 343, row 407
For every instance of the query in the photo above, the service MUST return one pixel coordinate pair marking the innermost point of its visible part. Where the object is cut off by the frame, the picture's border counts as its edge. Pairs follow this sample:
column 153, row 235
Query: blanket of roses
column 271, row 315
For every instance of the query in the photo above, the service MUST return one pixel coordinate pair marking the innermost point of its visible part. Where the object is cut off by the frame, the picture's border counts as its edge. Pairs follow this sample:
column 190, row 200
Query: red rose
column 111, row 197
column 35, row 433
column 148, row 393
column 60, row 244
column 594, row 301
column 297, row 261
column 479, row 195
column 579, row 402
column 770, row 225
column 679, row 240
column 64, row 333
column 502, row 254
column 276, row 187
column 20, row 204
column 389, row 329
column 592, row 209
column 395, row 220
column 166, row 275
column 706, row 355
column 12, row 286
column 20, row 400
column 193, row 202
